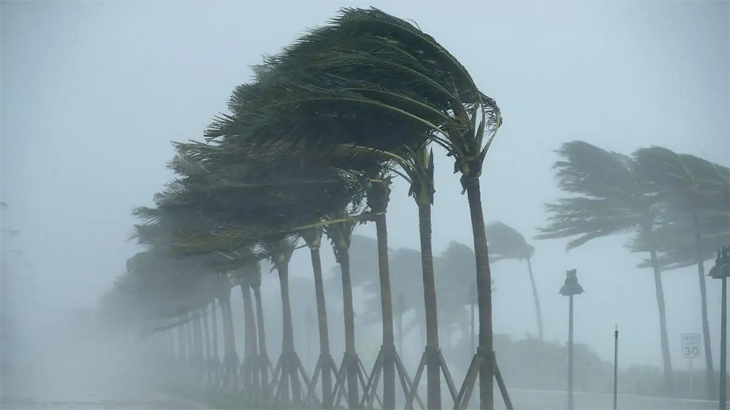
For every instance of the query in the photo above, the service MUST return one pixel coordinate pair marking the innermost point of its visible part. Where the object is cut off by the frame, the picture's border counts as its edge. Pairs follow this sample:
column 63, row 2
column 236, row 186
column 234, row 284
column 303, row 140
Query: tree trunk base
column 432, row 357
column 288, row 377
column 351, row 367
column 384, row 355
column 325, row 367
column 464, row 396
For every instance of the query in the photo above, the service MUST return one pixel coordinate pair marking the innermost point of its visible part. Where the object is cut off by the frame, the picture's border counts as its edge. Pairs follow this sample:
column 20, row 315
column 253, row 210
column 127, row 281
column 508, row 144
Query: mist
column 93, row 93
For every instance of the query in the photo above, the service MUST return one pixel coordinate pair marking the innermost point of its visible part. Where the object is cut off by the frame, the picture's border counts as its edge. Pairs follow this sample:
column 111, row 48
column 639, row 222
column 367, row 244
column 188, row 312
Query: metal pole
column 691, row 380
column 615, row 368
column 570, row 354
column 723, row 347
column 473, row 348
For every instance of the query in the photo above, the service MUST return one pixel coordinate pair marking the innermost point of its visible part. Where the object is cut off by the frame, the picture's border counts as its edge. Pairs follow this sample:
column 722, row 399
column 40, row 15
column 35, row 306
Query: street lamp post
column 721, row 271
column 570, row 287
column 615, row 368
column 472, row 304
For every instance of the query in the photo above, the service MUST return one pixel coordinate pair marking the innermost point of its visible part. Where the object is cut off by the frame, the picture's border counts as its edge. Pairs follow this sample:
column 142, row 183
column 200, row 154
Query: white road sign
column 691, row 345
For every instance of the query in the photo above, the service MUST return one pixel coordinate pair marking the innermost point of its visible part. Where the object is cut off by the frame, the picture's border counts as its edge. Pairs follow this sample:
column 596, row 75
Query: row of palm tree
column 310, row 147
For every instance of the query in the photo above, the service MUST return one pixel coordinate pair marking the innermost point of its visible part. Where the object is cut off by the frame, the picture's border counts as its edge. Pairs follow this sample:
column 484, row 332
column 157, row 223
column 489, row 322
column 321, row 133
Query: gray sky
column 92, row 93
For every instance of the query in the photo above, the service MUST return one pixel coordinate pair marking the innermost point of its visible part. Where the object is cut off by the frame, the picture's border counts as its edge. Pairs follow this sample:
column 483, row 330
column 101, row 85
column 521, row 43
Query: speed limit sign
column 691, row 345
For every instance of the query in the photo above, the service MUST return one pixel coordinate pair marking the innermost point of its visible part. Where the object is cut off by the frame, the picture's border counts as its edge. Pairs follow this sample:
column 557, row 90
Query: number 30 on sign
column 691, row 345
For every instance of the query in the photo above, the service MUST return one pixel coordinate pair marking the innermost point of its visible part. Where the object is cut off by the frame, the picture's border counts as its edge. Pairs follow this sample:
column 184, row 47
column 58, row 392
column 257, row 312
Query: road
column 524, row 399
column 90, row 393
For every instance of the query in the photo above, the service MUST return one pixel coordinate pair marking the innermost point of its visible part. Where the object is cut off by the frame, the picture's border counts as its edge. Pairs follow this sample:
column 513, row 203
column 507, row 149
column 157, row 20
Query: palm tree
column 313, row 239
column 263, row 359
column 251, row 364
column 690, row 185
column 609, row 197
column 506, row 243
column 340, row 235
column 418, row 170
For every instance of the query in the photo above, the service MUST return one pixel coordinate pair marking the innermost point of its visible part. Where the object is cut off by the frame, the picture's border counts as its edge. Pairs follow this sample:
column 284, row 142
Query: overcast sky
column 93, row 93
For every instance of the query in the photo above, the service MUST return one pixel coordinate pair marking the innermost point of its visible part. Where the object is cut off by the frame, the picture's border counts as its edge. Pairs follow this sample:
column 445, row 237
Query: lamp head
column 722, row 264
column 571, row 285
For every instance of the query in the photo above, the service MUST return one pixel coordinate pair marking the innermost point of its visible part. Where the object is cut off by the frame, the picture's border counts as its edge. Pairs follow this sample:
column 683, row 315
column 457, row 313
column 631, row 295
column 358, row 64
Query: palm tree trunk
column 263, row 355
column 343, row 254
column 484, row 293
column 324, row 339
column 662, row 323
column 231, row 357
column 207, row 335
column 288, row 351
column 433, row 375
column 377, row 199
column 386, row 302
column 191, row 339
column 198, row 337
column 709, row 366
column 226, row 345
column 250, row 335
column 181, row 345
column 538, row 311
column 214, row 326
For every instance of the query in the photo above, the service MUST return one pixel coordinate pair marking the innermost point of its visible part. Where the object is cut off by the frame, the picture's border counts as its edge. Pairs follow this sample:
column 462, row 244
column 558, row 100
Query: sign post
column 691, row 349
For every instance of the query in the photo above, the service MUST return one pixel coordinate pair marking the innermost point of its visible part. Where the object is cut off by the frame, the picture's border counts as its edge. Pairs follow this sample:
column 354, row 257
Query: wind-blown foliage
column 607, row 196
column 696, row 193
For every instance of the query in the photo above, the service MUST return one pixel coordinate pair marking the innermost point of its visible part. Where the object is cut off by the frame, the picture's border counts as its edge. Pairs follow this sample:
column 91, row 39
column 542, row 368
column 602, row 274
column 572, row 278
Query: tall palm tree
column 281, row 250
column 419, row 171
column 263, row 359
column 340, row 235
column 608, row 197
column 690, row 185
column 506, row 243
column 313, row 239
column 251, row 363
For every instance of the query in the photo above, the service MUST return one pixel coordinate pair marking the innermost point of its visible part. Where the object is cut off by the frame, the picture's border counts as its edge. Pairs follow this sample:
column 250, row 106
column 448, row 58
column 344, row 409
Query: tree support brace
column 432, row 356
column 325, row 363
column 464, row 395
column 289, row 369
column 350, row 363
column 388, row 353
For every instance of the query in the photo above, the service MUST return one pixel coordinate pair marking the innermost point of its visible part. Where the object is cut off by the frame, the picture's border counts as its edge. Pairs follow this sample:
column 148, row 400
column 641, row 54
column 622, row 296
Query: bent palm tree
column 690, row 185
column 609, row 197
column 506, row 243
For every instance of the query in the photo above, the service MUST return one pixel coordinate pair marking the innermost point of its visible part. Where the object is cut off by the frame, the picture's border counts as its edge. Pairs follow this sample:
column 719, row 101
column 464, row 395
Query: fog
column 94, row 92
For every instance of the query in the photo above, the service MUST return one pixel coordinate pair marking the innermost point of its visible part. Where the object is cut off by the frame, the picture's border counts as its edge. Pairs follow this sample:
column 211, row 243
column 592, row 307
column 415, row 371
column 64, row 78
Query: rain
column 330, row 205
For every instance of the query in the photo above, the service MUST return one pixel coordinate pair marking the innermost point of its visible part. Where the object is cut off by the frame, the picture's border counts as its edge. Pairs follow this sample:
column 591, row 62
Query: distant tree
column 454, row 284
column 697, row 195
column 607, row 197
column 506, row 243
